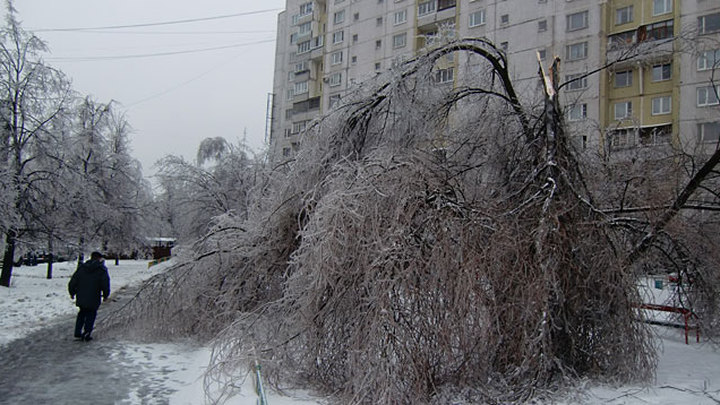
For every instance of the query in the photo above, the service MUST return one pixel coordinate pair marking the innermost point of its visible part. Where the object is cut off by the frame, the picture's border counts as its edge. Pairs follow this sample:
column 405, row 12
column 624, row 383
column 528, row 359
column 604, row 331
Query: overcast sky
column 172, row 101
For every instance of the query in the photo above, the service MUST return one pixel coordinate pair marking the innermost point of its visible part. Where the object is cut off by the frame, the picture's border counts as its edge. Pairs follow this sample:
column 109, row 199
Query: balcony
column 647, row 42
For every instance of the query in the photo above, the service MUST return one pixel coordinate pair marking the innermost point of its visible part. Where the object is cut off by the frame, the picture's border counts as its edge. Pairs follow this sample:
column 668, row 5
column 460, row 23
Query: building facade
column 662, row 94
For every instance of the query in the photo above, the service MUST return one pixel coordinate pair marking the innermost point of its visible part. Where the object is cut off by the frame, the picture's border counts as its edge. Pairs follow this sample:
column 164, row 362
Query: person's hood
column 93, row 265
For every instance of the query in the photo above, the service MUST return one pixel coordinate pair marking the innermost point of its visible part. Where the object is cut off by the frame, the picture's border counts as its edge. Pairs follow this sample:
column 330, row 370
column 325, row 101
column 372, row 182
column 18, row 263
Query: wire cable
column 151, row 55
column 156, row 24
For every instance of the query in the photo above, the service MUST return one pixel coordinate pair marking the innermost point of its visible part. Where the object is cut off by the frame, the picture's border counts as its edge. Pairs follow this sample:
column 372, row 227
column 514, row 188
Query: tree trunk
column 8, row 257
column 50, row 258
column 81, row 254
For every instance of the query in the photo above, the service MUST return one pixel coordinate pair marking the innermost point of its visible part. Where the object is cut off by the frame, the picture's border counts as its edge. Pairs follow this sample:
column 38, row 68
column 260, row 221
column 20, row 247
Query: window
column 709, row 60
column 662, row 7
column 505, row 19
column 707, row 96
column 356, row 17
column 654, row 32
column 379, row 21
column 333, row 100
column 339, row 17
column 444, row 75
column 577, row 21
column 336, row 58
column 577, row 112
column 300, row 88
column 709, row 23
column 290, row 94
column 293, row 38
column 623, row 78
column 304, row 47
column 338, row 37
column 400, row 40
column 476, row 18
column 305, row 9
column 301, row 67
column 661, row 72
column 576, row 82
column 623, row 110
column 378, row 66
column 353, row 60
column 378, row 44
column 661, row 105
column 542, row 25
column 355, row 38
column 298, row 127
column 304, row 29
column 624, row 15
column 504, row 46
column 445, row 4
column 576, row 51
column 426, row 7
column 286, row 152
column 655, row 135
column 542, row 54
column 400, row 17
column 622, row 138
column 335, row 79
column 622, row 39
column 709, row 132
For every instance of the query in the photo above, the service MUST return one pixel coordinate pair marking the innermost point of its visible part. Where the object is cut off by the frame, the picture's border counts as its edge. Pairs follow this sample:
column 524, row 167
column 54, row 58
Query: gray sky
column 172, row 101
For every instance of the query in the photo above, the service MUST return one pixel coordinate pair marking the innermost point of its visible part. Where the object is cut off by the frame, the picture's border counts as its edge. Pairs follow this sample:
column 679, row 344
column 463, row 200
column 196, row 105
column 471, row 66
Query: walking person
column 89, row 283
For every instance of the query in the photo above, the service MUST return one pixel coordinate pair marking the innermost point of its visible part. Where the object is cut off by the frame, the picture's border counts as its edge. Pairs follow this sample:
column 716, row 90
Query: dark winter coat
column 89, row 283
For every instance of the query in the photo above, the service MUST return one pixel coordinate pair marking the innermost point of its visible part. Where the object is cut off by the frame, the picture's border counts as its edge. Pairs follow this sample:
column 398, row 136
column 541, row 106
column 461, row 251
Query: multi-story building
column 324, row 47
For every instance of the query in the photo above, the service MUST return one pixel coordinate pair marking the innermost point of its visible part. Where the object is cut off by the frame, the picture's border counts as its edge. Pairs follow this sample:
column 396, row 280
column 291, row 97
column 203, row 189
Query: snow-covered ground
column 687, row 374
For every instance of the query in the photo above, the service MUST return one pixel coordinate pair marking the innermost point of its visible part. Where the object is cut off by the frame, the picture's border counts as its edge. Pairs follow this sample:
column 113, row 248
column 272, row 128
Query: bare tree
column 33, row 96
column 431, row 243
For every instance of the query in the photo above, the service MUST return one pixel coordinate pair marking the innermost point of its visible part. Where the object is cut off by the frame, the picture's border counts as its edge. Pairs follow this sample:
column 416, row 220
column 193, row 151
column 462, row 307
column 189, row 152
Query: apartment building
column 325, row 47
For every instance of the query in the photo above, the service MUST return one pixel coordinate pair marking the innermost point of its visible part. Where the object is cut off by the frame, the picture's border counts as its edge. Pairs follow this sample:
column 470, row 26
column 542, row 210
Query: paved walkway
column 51, row 367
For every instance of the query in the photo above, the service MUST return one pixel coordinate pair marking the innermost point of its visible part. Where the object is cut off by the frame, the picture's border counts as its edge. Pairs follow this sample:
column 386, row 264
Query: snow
column 687, row 374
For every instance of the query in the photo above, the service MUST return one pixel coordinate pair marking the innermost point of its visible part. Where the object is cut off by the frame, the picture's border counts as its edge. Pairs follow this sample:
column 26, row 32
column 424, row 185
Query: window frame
column 301, row 88
column 426, row 8
column 570, row 47
column 709, row 96
column 335, row 59
column 661, row 67
column 628, row 110
column 628, row 78
column 624, row 15
column 584, row 21
column 335, row 79
column 397, row 37
column 402, row 19
column 572, row 115
column 704, row 59
column 339, row 17
column 664, row 104
column 575, row 82
column 667, row 7
column 702, row 23
column 472, row 23
column 701, row 131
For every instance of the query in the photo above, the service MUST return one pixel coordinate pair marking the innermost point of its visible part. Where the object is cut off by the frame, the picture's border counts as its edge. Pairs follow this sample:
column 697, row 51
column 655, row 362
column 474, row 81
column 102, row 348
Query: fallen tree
column 427, row 243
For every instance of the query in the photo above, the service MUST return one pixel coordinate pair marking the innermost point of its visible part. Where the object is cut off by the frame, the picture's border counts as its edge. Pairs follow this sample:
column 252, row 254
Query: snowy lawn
column 687, row 374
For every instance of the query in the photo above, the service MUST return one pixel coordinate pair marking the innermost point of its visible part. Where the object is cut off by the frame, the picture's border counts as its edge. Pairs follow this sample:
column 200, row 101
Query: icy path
column 49, row 366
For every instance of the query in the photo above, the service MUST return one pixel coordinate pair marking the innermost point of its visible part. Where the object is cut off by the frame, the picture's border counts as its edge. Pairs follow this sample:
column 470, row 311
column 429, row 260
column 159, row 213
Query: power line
column 93, row 31
column 151, row 55
column 155, row 24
